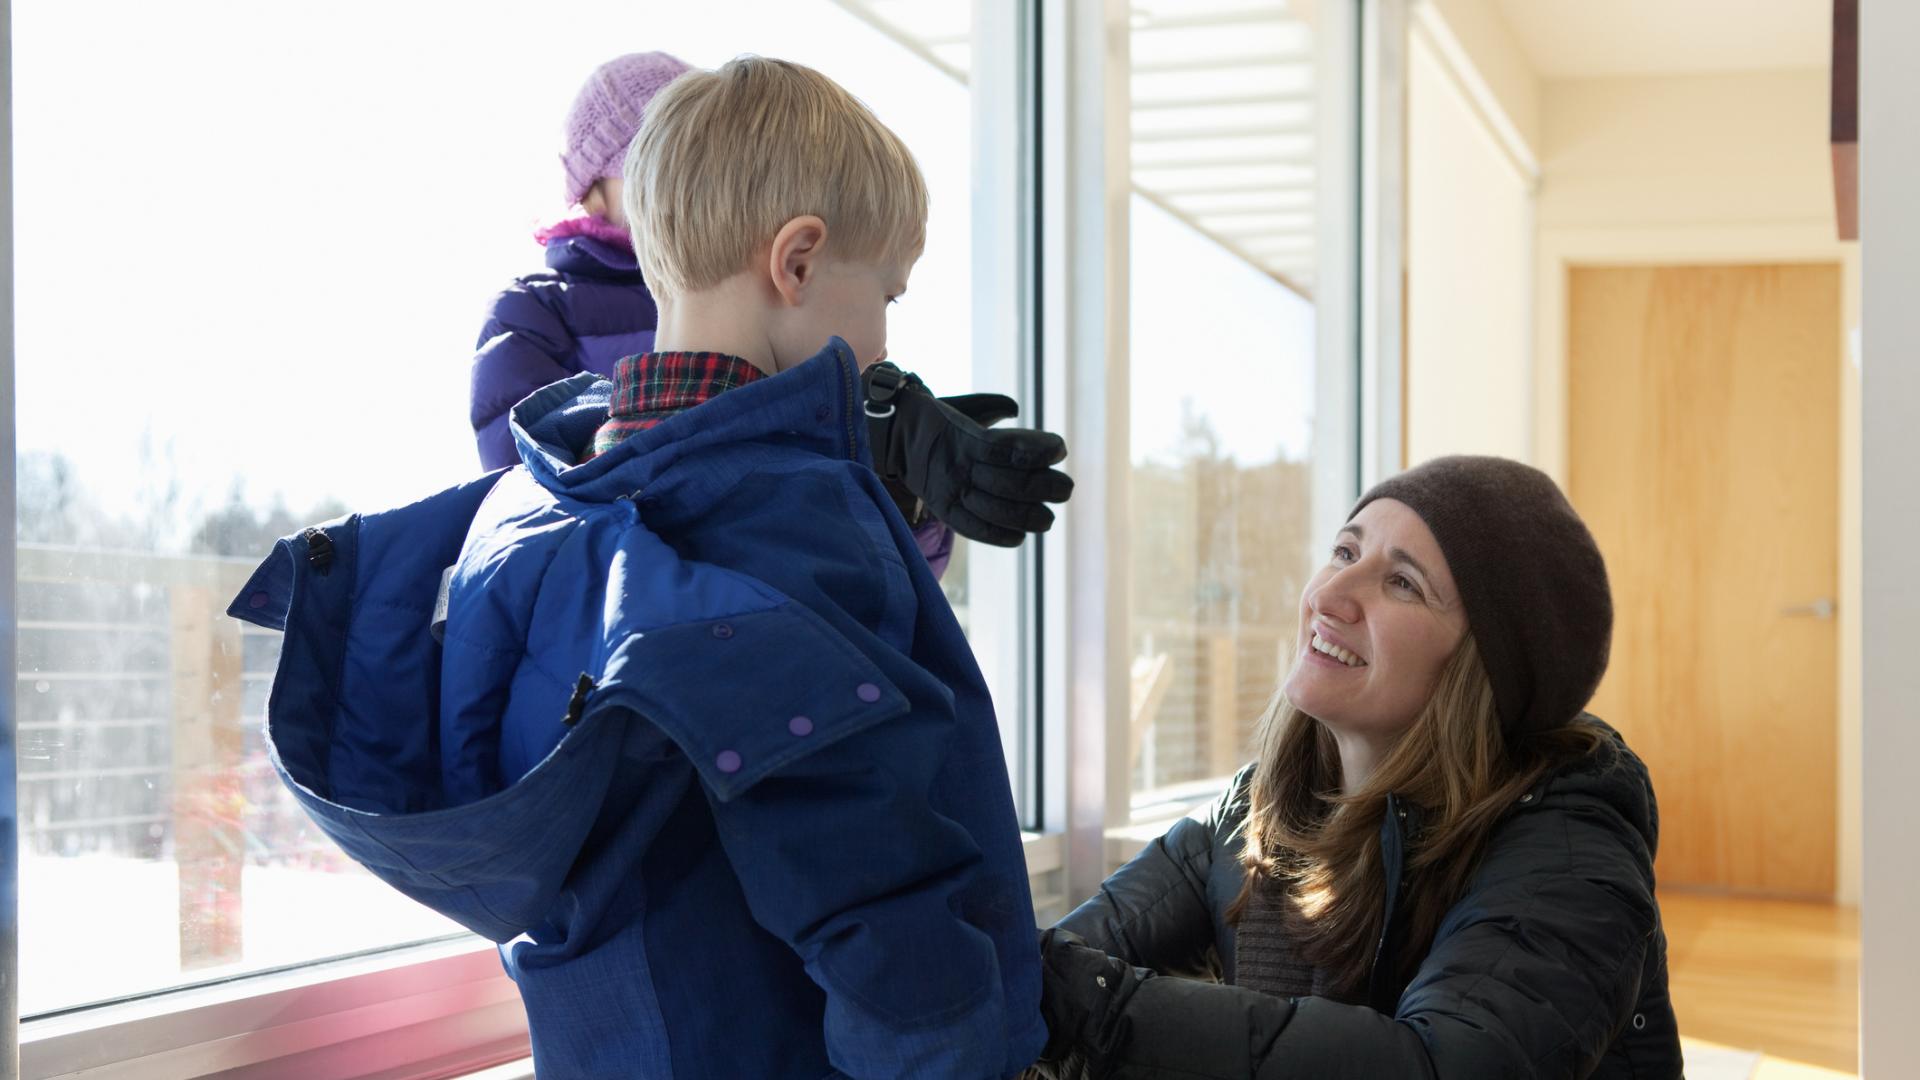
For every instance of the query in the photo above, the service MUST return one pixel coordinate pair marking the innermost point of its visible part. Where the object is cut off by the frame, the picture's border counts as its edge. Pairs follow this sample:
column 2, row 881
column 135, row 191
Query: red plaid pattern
column 651, row 387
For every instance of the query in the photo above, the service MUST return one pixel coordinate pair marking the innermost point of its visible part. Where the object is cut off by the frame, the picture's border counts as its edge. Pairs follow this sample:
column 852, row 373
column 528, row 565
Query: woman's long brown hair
column 1322, row 846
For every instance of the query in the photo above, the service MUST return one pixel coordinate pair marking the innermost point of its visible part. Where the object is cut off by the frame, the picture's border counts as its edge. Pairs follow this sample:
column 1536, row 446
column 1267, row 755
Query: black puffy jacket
column 1553, row 964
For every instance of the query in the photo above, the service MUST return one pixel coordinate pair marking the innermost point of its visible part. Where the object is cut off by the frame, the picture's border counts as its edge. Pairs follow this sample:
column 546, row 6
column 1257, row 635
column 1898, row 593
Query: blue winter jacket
column 588, row 310
column 704, row 747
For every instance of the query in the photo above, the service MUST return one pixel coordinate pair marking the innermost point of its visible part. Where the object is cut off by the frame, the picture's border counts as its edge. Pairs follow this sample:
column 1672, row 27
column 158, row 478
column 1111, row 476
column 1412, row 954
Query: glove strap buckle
column 883, row 380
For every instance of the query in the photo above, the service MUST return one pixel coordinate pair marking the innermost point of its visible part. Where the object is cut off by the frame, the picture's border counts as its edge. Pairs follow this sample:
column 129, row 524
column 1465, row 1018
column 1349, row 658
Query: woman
column 1437, row 866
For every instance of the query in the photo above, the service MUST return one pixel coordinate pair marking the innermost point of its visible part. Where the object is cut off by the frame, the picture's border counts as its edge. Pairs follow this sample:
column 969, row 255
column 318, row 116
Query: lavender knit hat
column 606, row 115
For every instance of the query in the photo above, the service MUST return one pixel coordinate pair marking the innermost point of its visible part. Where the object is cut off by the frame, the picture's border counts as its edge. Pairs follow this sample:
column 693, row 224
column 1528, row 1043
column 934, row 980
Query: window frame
column 1001, row 590
column 9, row 763
column 1086, row 182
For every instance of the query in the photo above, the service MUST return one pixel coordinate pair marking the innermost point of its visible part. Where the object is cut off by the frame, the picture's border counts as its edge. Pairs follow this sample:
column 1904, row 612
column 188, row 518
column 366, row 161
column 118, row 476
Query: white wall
column 1497, row 60
column 1890, row 244
column 1693, row 150
column 1699, row 169
column 1469, row 276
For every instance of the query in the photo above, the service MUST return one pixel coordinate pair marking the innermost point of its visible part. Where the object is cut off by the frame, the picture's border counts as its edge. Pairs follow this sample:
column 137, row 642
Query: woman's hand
column 1083, row 999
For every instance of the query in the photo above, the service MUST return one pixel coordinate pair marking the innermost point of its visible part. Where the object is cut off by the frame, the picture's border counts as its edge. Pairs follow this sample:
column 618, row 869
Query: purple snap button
column 723, row 631
column 257, row 600
column 800, row 725
column 727, row 762
column 868, row 692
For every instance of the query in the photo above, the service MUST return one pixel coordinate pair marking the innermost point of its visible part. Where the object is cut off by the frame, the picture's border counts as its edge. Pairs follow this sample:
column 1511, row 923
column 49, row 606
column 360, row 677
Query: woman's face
column 1377, row 624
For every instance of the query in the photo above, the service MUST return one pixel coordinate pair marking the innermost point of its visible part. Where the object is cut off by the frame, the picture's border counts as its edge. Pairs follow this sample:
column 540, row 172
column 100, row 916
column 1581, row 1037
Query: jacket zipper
column 1396, row 822
column 847, row 384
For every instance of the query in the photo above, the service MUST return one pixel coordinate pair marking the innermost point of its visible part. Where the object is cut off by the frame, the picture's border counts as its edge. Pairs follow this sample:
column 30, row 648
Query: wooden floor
column 1774, row 976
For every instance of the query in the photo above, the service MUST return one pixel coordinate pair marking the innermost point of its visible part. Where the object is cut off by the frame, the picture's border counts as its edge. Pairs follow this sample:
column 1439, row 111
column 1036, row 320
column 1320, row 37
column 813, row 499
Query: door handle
column 1819, row 609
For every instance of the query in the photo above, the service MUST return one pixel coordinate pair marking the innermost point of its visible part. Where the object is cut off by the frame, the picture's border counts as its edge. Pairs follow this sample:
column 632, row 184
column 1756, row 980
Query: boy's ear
column 795, row 258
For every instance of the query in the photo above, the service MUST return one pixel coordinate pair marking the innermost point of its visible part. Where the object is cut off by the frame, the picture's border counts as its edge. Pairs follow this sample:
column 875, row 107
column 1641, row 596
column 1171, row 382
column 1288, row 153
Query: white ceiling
column 1584, row 38
column 1222, row 117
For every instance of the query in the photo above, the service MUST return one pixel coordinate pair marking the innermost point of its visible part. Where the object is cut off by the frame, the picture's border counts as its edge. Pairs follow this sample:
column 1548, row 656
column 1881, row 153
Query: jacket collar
column 814, row 407
column 591, row 256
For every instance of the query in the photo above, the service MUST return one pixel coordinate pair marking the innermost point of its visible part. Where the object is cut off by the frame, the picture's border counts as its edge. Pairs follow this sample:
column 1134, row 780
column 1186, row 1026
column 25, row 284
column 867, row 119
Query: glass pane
column 256, row 243
column 1222, row 368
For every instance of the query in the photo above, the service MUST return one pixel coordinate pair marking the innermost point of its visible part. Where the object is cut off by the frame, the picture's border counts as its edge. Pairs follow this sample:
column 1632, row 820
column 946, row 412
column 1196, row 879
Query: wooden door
column 1703, row 451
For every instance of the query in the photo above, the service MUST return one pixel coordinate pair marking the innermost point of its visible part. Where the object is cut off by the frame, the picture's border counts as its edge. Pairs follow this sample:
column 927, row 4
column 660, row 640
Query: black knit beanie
column 1530, row 575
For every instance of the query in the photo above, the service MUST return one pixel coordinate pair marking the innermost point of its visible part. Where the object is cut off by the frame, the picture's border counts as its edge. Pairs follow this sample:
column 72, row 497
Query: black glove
column 1083, row 998
column 991, row 486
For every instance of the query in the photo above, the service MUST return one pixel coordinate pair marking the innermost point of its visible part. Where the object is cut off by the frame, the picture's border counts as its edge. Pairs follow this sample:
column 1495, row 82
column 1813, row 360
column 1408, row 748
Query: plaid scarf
column 653, row 386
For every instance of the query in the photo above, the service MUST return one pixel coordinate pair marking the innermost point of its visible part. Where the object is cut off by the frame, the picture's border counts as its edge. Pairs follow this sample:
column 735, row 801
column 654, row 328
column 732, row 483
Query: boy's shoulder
column 798, row 502
column 782, row 513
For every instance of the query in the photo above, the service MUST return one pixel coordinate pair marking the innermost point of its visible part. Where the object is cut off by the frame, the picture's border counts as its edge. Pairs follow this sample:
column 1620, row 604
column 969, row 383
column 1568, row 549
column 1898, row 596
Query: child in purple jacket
column 591, row 306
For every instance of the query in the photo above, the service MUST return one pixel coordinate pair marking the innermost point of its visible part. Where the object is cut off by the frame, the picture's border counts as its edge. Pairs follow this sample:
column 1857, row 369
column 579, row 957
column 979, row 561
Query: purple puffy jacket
column 588, row 310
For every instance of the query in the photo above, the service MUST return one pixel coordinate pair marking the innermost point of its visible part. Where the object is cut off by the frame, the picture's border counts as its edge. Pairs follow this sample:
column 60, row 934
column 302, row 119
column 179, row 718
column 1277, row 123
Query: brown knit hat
column 1530, row 575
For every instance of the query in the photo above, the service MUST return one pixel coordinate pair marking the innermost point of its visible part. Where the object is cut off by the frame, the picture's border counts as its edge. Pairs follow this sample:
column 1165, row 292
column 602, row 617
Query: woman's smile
column 1324, row 646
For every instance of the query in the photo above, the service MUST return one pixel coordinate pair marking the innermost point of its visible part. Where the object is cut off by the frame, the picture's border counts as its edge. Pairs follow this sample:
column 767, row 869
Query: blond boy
column 704, row 747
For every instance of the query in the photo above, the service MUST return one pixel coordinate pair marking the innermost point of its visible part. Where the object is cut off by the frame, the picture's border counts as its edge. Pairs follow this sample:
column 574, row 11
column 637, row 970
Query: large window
column 1222, row 344
column 254, row 245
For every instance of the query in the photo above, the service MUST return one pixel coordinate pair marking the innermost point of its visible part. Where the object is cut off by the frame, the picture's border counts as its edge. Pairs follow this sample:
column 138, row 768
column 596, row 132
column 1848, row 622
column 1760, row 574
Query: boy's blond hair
column 726, row 157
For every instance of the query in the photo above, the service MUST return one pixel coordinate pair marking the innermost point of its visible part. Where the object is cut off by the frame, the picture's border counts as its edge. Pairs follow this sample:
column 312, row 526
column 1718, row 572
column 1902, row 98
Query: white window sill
column 1155, row 813
column 512, row 1070
column 434, row 1010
